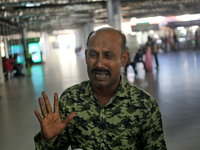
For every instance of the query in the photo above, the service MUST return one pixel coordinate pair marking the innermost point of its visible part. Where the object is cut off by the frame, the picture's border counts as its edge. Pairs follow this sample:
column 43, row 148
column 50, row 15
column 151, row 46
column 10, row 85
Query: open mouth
column 101, row 75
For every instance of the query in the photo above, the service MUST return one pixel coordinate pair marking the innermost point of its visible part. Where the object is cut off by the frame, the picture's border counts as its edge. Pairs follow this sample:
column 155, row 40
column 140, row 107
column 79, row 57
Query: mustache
column 100, row 70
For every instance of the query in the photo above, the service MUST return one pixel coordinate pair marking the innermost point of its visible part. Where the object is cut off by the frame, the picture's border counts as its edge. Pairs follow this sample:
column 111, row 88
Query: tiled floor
column 176, row 87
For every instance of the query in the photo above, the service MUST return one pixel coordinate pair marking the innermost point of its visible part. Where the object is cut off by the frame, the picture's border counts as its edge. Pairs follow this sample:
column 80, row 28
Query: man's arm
column 152, row 129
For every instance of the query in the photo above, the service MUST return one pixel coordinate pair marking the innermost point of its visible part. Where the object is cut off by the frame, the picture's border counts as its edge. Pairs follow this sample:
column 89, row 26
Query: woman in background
column 148, row 58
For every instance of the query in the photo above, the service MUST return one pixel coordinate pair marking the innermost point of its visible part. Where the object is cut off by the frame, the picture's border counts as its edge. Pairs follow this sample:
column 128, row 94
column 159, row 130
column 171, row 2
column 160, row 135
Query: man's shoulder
column 79, row 88
column 137, row 94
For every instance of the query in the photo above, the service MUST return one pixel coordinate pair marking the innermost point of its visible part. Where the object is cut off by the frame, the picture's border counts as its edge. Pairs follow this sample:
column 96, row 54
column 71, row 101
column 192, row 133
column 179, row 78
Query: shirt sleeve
column 59, row 142
column 41, row 144
column 152, row 130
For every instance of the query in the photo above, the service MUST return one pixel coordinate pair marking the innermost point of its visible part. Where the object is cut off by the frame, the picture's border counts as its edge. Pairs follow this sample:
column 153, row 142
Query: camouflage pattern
column 131, row 122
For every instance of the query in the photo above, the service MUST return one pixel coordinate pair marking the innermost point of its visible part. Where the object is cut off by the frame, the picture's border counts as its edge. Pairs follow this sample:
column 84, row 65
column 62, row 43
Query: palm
column 52, row 124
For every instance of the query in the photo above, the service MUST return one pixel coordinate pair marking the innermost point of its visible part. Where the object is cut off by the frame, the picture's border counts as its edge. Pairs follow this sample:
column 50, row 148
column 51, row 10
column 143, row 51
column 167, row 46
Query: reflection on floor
column 176, row 87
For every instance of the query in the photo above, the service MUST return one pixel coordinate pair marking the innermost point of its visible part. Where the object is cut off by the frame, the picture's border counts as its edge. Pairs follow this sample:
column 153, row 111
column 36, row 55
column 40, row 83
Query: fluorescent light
column 151, row 20
column 188, row 17
column 151, row 32
column 30, row 5
column 156, row 36
column 180, row 28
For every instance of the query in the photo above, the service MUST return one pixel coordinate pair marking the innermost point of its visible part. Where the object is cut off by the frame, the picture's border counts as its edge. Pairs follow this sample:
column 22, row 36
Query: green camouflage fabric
column 132, row 121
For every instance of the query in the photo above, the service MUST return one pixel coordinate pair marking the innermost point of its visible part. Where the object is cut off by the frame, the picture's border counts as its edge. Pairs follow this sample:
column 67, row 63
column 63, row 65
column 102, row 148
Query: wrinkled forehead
column 105, row 36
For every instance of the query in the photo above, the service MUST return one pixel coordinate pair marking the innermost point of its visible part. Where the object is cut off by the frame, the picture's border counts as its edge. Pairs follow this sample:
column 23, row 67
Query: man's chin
column 98, row 83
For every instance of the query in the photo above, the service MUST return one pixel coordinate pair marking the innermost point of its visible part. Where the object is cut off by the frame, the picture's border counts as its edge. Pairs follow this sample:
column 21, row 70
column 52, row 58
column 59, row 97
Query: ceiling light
column 30, row 5
column 188, row 17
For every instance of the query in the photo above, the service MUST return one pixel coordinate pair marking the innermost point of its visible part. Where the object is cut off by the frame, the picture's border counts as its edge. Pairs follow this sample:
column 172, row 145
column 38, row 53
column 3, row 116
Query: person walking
column 155, row 52
column 148, row 57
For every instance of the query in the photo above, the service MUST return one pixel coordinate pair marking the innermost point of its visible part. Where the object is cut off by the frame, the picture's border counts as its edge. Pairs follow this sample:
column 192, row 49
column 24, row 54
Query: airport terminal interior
column 175, row 86
column 51, row 36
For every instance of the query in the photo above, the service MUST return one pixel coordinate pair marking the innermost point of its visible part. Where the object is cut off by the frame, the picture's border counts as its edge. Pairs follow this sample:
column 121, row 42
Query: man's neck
column 104, row 94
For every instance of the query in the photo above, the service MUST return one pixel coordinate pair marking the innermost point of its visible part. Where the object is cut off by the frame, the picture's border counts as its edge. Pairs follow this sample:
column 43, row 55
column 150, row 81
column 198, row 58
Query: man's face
column 104, row 59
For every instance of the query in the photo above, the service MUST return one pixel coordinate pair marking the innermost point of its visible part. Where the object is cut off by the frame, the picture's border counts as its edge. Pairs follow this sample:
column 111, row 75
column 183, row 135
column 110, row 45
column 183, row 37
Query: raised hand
column 51, row 122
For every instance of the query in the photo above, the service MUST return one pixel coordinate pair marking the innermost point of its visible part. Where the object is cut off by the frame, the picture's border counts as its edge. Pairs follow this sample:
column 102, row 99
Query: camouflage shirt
column 131, row 121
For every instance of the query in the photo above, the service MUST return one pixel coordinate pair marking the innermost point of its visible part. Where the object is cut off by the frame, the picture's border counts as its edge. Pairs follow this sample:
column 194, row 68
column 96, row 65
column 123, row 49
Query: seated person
column 17, row 67
column 138, row 58
column 7, row 66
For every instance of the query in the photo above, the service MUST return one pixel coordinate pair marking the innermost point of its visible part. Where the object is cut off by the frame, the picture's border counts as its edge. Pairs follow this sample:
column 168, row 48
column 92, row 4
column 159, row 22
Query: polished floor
column 176, row 87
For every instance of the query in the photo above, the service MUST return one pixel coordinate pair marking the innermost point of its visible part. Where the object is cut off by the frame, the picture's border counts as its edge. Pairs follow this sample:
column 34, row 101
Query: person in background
column 17, row 67
column 8, row 66
column 196, row 47
column 155, row 52
column 148, row 58
column 175, row 40
column 139, row 58
column 129, row 63
column 105, row 112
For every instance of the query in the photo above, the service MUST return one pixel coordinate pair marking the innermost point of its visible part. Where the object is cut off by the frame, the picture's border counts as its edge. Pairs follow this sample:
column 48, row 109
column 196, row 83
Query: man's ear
column 86, row 55
column 124, row 58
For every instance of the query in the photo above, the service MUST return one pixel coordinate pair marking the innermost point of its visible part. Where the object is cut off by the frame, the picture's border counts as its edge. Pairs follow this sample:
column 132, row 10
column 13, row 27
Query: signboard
column 144, row 27
column 183, row 23
column 34, row 50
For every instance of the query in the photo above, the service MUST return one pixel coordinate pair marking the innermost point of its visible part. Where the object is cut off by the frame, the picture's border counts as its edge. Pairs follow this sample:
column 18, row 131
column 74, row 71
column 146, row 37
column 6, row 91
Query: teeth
column 101, row 75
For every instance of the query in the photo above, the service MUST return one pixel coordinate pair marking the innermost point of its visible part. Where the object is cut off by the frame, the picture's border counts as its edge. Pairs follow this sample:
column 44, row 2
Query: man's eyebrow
column 109, row 51
column 92, row 50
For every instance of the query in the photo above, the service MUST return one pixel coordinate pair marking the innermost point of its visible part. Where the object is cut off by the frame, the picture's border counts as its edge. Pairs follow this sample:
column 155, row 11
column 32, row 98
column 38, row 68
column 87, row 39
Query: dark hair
column 123, row 46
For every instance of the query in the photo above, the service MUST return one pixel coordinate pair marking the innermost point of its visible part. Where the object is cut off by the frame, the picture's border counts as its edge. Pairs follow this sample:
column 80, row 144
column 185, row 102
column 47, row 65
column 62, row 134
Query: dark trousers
column 133, row 64
column 156, row 58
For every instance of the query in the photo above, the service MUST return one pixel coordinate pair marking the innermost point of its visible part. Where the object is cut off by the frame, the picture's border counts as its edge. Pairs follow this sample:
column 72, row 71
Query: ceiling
column 48, row 15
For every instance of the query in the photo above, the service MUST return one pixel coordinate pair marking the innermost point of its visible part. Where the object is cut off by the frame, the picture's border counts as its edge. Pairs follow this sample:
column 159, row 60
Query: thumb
column 69, row 118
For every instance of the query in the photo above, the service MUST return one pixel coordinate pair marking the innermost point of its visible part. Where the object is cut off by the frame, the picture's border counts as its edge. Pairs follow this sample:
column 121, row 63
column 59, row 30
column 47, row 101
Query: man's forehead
column 104, row 36
column 105, row 32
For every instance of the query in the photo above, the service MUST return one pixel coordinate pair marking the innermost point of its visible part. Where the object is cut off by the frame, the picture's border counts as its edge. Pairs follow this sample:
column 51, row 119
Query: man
column 196, row 41
column 105, row 112
column 129, row 63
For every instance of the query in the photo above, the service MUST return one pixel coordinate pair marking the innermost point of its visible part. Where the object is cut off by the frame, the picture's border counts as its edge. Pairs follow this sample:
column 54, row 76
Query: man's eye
column 109, row 56
column 93, row 55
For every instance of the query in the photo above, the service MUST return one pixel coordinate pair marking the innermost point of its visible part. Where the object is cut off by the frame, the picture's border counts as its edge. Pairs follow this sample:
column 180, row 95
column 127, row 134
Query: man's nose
column 100, row 62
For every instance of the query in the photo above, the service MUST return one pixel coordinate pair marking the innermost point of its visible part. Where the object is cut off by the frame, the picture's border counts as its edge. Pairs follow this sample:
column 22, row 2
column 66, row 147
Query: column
column 81, row 35
column 114, row 13
column 1, row 66
column 24, row 37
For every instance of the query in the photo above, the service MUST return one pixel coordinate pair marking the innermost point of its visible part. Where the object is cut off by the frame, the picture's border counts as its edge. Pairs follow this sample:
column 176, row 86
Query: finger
column 42, row 106
column 56, row 104
column 69, row 118
column 47, row 103
column 39, row 117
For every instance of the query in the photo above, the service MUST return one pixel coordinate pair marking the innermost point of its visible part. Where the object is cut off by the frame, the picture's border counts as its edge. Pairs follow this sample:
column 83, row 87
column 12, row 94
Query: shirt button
column 103, row 110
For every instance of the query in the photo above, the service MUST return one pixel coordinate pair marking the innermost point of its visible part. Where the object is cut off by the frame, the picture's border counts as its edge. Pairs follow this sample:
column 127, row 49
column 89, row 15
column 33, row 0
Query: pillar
column 114, row 13
column 81, row 34
column 1, row 67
